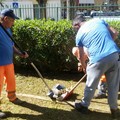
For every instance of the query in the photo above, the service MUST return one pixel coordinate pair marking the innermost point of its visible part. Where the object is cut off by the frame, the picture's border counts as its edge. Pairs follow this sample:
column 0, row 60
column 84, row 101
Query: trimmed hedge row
column 116, row 25
column 48, row 43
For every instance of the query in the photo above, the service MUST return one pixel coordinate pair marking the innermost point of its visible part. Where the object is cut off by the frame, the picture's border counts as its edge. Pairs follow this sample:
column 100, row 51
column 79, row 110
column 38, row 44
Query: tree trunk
column 42, row 3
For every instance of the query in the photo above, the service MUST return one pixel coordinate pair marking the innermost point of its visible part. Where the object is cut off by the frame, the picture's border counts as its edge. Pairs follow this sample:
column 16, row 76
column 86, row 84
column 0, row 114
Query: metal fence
column 57, row 13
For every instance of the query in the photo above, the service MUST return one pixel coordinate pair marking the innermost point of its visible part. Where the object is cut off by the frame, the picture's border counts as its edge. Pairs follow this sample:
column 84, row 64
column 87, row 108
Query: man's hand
column 80, row 68
column 21, row 54
column 25, row 55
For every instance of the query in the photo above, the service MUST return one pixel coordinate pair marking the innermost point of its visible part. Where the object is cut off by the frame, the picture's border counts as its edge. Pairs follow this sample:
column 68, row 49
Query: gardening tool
column 61, row 93
column 50, row 93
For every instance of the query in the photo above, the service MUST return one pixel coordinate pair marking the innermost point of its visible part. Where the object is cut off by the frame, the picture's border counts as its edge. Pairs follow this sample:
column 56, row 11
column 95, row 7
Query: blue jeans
column 110, row 67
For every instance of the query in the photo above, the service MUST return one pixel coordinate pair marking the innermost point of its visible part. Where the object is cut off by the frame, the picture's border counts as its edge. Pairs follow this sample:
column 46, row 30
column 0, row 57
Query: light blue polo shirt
column 95, row 36
column 6, row 48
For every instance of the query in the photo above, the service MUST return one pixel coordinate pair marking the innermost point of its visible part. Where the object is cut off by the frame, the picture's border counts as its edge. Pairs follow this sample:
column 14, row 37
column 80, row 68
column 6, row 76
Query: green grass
column 36, row 108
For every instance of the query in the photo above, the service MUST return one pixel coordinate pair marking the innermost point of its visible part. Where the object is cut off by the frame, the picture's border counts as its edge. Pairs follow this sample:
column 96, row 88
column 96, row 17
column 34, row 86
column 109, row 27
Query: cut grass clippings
column 38, row 106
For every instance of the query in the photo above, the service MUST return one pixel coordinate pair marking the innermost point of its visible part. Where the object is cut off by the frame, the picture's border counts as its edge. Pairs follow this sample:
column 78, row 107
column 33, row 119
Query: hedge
column 48, row 43
column 116, row 25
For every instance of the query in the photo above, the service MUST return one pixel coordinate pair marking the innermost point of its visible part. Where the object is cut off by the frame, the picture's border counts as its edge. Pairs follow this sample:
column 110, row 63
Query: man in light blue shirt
column 97, row 36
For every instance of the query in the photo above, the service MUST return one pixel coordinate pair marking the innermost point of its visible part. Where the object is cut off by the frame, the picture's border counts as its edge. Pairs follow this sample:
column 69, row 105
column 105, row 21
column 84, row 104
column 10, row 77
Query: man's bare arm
column 114, row 33
column 81, row 58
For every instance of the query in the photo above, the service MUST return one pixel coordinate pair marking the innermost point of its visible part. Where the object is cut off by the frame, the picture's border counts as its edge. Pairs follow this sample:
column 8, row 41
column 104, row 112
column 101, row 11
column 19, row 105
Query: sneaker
column 2, row 115
column 115, row 114
column 100, row 96
column 81, row 108
column 17, row 101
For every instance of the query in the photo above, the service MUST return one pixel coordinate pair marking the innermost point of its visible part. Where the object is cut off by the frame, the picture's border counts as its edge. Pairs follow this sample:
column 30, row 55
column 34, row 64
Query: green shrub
column 49, row 43
column 116, row 25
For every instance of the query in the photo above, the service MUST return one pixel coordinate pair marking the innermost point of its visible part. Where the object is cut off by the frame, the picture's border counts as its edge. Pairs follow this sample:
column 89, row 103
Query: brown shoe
column 17, row 101
column 2, row 115
column 115, row 114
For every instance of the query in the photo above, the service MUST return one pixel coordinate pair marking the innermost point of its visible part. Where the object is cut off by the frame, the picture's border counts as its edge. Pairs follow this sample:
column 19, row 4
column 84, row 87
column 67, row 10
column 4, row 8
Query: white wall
column 54, row 12
column 86, row 1
column 16, row 5
column 25, row 8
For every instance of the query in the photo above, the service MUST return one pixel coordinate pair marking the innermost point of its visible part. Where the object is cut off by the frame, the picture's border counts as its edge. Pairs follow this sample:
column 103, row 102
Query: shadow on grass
column 45, row 113
column 72, row 97
column 66, row 75
column 119, row 95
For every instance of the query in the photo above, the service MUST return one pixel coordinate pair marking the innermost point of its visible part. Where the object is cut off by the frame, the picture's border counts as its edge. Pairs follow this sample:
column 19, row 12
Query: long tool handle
column 79, row 82
column 71, row 91
column 40, row 75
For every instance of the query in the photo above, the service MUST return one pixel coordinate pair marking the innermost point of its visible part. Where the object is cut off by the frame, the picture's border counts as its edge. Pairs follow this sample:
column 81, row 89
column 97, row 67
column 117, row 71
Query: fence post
column 68, row 9
column 57, row 13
